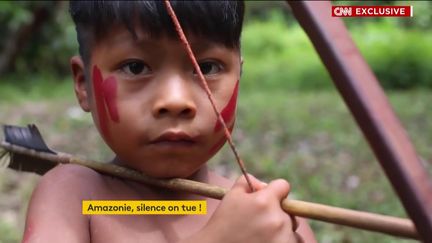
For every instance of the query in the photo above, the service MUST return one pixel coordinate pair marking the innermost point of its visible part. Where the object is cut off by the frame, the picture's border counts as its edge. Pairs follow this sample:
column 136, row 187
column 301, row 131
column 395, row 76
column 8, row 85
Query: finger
column 298, row 237
column 295, row 223
column 242, row 185
column 278, row 188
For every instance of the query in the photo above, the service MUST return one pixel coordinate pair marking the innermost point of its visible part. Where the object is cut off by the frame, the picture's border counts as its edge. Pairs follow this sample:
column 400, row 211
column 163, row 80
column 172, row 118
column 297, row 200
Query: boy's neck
column 200, row 175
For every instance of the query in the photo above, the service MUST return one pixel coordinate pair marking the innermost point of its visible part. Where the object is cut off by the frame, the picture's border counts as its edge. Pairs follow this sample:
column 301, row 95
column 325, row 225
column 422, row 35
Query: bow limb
column 368, row 104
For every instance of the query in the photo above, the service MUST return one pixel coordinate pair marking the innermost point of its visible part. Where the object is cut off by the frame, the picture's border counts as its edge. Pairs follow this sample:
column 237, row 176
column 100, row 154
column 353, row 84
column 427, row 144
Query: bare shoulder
column 55, row 207
column 68, row 182
column 71, row 175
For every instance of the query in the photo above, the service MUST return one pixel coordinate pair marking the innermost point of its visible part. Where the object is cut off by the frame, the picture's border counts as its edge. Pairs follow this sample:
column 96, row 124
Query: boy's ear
column 78, row 73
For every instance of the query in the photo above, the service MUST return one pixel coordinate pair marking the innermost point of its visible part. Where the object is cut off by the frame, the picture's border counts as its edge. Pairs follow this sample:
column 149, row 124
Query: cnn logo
column 342, row 11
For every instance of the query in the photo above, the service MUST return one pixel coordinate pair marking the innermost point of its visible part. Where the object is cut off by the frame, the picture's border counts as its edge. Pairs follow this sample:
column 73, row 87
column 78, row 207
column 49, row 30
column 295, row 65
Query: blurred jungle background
column 291, row 121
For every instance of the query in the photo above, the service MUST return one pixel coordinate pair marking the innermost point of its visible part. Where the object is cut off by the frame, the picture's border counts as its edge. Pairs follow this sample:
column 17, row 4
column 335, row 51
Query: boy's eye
column 209, row 67
column 136, row 68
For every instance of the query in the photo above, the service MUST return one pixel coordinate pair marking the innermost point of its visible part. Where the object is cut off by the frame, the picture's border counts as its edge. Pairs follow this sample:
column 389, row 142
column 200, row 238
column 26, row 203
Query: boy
column 135, row 78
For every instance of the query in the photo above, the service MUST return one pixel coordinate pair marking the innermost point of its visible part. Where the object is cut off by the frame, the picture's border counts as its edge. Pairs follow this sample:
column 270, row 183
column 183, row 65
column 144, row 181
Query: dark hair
column 218, row 21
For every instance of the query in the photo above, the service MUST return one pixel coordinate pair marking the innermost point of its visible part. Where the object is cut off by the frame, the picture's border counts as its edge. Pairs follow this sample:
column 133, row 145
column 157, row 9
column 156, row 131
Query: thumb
column 278, row 188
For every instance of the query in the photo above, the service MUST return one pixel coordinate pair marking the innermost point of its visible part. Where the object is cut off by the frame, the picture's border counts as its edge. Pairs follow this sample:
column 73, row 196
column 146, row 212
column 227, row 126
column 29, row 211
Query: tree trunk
column 19, row 39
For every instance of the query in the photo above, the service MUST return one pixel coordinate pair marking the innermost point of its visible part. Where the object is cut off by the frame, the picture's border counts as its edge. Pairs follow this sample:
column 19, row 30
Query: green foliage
column 263, row 10
column 14, row 14
column 400, row 59
column 8, row 233
column 22, row 88
column 422, row 14
column 278, row 56
column 46, row 48
column 51, row 49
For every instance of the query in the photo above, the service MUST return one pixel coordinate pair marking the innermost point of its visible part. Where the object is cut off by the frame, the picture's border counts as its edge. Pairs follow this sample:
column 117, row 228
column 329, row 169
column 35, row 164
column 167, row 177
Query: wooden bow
column 368, row 104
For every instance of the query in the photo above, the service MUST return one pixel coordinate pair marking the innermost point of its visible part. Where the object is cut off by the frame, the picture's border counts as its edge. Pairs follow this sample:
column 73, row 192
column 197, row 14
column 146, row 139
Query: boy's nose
column 175, row 100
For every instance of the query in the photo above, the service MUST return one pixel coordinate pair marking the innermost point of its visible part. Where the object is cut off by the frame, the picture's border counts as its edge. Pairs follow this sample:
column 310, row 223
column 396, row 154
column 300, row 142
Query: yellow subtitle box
column 146, row 207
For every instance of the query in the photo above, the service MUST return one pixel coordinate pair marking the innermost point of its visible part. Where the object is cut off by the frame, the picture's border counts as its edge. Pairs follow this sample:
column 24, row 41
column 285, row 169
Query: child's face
column 148, row 103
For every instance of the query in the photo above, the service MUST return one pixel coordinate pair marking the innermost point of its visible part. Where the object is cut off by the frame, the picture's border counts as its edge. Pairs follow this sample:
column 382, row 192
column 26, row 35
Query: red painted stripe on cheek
column 110, row 95
column 99, row 100
column 221, row 142
column 229, row 110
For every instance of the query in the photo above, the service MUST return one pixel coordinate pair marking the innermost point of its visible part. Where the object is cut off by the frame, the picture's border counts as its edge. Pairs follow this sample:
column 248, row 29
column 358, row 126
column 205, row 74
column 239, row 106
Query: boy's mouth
column 174, row 139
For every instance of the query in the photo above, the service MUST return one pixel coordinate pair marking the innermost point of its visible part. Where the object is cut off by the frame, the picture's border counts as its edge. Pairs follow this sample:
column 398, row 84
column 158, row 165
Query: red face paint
column 221, row 142
column 229, row 110
column 105, row 94
column 110, row 95
column 99, row 100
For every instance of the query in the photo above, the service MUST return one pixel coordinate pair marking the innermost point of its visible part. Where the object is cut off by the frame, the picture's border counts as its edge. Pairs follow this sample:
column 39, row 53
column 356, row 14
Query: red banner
column 372, row 11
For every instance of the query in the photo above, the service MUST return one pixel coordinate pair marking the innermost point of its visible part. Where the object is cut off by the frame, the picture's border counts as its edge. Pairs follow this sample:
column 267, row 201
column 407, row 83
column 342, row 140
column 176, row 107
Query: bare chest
column 144, row 228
